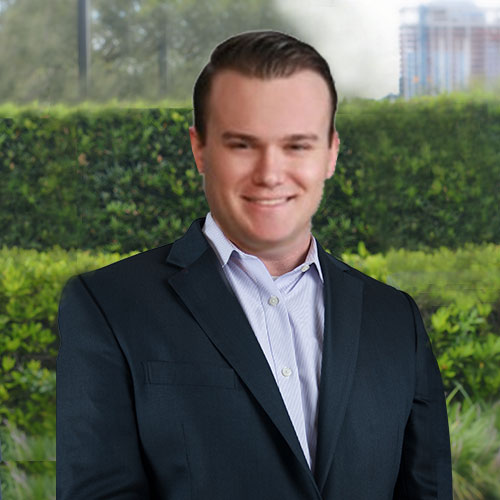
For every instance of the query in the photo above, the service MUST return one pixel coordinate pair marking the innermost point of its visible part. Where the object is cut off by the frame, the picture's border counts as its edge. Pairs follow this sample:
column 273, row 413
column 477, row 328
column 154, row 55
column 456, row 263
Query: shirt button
column 286, row 372
column 273, row 301
column 305, row 268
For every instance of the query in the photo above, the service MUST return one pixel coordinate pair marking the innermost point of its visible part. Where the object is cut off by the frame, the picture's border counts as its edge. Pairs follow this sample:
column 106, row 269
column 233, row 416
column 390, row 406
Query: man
column 242, row 361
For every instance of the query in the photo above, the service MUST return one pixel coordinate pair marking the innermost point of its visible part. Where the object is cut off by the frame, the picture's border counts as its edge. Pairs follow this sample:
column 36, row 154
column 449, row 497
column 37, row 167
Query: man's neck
column 279, row 257
column 280, row 260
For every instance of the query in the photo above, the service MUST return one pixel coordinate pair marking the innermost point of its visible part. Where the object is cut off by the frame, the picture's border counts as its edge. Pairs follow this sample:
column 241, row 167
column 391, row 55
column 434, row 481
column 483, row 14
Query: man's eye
column 238, row 145
column 298, row 147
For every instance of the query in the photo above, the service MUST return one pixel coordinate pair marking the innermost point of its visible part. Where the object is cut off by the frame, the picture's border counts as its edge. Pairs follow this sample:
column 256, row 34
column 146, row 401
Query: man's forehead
column 297, row 104
column 231, row 77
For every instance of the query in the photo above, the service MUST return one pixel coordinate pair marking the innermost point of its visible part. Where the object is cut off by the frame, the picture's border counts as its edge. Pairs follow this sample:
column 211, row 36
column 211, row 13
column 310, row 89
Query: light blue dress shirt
column 286, row 314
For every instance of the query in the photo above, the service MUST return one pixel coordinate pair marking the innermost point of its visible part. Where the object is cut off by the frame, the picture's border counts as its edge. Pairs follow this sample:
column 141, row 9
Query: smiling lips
column 268, row 201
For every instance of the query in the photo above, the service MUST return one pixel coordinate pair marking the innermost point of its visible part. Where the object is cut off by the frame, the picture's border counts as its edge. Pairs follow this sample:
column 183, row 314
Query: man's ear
column 197, row 149
column 334, row 152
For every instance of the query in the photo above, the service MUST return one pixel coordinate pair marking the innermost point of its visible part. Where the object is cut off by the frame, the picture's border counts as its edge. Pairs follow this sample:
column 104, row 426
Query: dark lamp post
column 83, row 46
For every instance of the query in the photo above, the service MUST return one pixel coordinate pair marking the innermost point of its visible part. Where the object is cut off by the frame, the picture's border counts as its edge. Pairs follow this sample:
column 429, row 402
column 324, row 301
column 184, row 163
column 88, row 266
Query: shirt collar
column 224, row 248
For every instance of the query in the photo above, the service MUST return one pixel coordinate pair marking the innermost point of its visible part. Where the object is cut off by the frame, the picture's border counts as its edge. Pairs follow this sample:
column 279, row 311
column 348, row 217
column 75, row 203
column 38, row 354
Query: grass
column 28, row 469
column 475, row 448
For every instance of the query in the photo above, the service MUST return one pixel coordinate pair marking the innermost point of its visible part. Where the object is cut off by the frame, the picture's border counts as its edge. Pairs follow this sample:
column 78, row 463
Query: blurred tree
column 38, row 56
column 145, row 49
column 134, row 39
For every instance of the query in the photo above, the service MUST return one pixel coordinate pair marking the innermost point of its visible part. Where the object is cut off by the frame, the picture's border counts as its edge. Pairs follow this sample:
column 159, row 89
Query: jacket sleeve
column 425, row 468
column 98, row 448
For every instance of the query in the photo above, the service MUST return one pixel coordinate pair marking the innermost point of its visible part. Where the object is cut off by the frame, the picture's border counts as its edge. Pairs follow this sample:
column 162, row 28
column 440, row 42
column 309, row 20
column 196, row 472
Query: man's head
column 267, row 142
column 264, row 55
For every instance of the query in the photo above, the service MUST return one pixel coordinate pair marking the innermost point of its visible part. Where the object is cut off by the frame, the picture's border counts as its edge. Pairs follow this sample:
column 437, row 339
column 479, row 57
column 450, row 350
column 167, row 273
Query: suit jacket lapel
column 343, row 309
column 202, row 287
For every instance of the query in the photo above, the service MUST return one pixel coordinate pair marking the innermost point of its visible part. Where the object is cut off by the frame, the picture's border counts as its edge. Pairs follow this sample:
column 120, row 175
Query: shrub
column 462, row 321
column 461, row 310
column 412, row 174
column 30, row 286
column 458, row 293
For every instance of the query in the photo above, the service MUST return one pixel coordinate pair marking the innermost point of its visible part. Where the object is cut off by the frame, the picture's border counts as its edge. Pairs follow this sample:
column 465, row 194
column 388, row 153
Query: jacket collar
column 189, row 247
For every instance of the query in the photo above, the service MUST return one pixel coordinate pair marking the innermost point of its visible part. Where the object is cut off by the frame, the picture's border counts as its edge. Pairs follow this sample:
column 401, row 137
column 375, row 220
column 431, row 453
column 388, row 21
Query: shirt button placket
column 279, row 337
column 273, row 300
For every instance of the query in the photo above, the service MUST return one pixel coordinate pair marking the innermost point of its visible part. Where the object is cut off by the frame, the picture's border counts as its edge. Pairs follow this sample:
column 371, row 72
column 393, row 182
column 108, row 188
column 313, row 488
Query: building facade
column 448, row 46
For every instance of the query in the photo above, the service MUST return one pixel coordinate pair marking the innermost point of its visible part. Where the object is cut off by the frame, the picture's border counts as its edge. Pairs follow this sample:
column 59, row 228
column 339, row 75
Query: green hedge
column 120, row 180
column 30, row 287
column 423, row 173
column 458, row 293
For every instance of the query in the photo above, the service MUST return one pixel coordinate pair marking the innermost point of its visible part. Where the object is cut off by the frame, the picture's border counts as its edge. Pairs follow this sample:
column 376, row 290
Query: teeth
column 276, row 201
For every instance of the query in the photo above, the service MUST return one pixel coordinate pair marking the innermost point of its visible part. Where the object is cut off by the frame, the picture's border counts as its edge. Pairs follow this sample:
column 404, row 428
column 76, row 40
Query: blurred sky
column 357, row 37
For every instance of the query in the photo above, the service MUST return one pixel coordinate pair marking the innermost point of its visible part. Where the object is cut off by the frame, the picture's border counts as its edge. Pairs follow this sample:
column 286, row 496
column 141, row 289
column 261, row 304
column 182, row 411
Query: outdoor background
column 88, row 176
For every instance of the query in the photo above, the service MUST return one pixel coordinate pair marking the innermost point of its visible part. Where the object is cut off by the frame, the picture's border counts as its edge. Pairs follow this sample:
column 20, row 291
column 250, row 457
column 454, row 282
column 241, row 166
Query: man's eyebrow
column 301, row 137
column 227, row 136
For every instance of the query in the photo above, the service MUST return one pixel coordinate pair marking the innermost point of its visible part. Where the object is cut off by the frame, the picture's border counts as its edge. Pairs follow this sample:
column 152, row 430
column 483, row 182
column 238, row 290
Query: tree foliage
column 146, row 49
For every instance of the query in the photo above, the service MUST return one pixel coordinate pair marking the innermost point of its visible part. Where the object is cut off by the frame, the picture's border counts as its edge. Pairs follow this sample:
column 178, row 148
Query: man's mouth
column 268, row 201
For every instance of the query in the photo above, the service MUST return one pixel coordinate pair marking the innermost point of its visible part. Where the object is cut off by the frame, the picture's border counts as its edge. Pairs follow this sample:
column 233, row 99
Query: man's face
column 266, row 157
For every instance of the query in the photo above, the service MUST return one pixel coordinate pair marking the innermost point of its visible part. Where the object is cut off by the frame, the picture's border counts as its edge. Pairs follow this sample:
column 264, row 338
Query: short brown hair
column 261, row 54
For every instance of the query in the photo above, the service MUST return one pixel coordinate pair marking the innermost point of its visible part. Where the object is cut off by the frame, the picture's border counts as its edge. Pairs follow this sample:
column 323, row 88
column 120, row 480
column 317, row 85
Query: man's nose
column 269, row 168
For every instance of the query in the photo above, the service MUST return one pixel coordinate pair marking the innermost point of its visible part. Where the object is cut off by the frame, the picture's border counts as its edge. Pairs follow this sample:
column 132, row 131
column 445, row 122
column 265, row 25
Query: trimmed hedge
column 416, row 174
column 116, row 179
column 423, row 173
column 458, row 294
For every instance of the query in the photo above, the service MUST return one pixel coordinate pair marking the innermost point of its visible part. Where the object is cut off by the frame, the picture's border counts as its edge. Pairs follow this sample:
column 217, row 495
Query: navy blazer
column 164, row 393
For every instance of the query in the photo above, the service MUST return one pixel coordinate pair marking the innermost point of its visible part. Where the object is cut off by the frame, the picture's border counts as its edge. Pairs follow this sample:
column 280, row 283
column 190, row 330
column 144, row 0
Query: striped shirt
column 286, row 314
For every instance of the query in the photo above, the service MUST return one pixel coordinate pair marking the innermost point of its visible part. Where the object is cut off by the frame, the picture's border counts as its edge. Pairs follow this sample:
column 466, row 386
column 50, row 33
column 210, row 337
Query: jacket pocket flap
column 170, row 373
